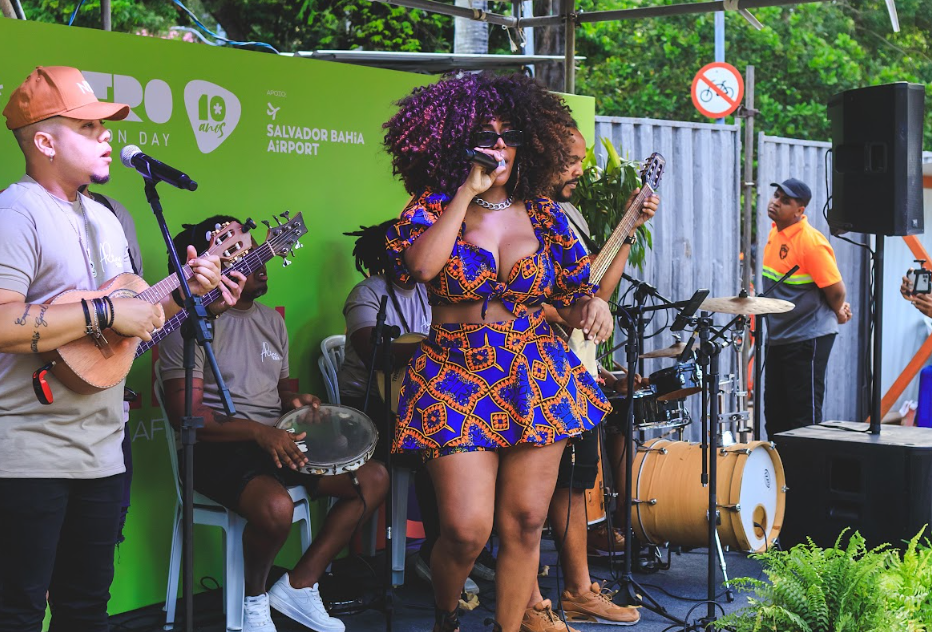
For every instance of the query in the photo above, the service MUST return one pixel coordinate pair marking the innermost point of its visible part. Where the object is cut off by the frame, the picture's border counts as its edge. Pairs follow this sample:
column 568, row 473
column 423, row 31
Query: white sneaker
column 303, row 605
column 256, row 615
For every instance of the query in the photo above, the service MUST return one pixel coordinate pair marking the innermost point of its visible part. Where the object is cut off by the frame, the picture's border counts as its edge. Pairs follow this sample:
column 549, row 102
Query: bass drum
column 338, row 439
column 671, row 504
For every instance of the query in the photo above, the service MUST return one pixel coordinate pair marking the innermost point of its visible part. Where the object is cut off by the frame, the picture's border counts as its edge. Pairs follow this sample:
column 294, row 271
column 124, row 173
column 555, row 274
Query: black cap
column 795, row 189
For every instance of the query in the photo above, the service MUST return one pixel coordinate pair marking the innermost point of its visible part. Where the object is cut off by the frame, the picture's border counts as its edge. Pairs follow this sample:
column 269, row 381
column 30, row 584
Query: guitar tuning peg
column 249, row 224
column 267, row 225
column 217, row 226
column 286, row 215
column 277, row 221
column 285, row 263
column 298, row 245
column 292, row 252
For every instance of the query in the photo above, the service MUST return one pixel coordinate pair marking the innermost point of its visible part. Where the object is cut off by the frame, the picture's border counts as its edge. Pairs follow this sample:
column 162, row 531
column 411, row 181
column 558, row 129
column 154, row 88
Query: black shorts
column 223, row 469
column 586, row 469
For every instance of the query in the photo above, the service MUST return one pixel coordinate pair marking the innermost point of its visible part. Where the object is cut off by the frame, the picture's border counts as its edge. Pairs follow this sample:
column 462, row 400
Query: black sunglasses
column 487, row 139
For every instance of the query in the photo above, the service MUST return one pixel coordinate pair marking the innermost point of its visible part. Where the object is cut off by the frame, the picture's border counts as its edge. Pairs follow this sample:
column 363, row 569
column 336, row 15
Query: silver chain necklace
column 85, row 242
column 500, row 206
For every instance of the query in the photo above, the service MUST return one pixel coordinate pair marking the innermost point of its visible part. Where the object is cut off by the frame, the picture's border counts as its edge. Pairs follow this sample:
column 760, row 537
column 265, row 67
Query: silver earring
column 51, row 156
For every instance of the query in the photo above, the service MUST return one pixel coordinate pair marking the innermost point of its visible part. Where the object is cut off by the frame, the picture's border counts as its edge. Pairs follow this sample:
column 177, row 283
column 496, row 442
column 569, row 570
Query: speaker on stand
column 838, row 475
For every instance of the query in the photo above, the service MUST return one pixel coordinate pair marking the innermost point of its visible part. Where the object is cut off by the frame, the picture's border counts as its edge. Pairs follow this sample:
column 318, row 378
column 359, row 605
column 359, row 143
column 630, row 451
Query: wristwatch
column 631, row 239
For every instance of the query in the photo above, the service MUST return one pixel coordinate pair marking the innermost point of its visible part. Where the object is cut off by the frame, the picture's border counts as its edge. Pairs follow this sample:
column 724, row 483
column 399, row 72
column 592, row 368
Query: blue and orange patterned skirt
column 477, row 386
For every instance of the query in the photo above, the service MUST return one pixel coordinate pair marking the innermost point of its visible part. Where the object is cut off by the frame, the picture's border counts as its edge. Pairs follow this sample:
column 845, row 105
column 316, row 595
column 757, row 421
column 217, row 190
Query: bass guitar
column 650, row 173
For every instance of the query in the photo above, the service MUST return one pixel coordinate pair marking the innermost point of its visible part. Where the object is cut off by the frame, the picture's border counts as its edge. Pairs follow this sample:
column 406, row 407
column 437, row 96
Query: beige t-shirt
column 41, row 256
column 251, row 347
column 584, row 349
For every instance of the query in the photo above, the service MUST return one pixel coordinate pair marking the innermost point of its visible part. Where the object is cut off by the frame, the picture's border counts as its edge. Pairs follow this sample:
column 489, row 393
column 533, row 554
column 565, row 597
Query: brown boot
column 597, row 606
column 600, row 545
column 541, row 618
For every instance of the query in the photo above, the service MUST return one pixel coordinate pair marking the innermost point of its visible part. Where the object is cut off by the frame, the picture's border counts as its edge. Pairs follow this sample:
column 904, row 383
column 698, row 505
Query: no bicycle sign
column 717, row 89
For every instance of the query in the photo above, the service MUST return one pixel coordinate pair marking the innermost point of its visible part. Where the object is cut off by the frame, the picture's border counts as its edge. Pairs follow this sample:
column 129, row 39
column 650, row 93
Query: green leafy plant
column 811, row 589
column 907, row 583
column 602, row 195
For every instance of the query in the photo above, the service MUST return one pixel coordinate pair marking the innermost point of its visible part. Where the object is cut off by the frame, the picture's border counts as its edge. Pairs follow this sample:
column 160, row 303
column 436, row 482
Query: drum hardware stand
column 382, row 336
column 197, row 329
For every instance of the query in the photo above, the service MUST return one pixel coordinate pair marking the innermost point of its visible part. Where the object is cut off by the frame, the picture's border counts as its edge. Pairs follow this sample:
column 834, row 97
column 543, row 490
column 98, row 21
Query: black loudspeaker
column 877, row 159
column 879, row 485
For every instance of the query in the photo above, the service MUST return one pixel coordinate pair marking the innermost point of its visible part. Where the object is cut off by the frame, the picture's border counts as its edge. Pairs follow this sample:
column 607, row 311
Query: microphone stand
column 199, row 328
column 381, row 340
column 633, row 592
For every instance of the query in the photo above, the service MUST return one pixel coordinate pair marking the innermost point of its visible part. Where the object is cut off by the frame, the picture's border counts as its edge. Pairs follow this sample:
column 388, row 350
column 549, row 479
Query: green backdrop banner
column 261, row 134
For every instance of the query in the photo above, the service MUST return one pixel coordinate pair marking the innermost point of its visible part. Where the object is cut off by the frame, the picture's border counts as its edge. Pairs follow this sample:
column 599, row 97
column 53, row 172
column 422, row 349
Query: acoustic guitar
column 281, row 241
column 87, row 365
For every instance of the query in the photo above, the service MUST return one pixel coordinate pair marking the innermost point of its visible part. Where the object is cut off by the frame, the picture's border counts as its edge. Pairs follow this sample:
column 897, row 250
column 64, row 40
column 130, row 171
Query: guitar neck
column 155, row 293
column 603, row 260
column 251, row 262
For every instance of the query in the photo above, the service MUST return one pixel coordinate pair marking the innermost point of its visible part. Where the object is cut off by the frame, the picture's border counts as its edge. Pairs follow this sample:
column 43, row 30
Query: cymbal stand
column 708, row 358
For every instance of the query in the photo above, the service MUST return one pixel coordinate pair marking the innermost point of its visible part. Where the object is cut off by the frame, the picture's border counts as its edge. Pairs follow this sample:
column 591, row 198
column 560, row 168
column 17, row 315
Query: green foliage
column 907, row 583
column 838, row 589
column 602, row 195
column 127, row 16
column 805, row 54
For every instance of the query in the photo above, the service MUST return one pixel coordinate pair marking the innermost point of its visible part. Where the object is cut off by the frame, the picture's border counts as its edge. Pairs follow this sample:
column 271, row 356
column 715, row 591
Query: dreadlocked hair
column 371, row 257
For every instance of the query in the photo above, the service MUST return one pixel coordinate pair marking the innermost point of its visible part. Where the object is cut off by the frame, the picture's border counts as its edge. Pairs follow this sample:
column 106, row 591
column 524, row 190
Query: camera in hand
column 920, row 279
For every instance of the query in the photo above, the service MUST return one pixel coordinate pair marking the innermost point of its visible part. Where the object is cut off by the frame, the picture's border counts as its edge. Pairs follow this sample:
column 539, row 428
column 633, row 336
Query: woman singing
column 491, row 396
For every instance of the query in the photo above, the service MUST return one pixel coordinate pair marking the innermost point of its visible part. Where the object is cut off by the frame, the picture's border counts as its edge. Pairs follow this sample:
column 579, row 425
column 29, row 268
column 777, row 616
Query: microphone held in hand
column 484, row 160
column 152, row 169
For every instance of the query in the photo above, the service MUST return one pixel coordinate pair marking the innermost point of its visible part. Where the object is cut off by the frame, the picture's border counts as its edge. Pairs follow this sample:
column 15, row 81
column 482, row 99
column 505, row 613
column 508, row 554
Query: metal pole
column 720, row 44
column 569, row 65
column 458, row 12
column 105, row 14
column 876, row 392
column 650, row 12
column 748, row 219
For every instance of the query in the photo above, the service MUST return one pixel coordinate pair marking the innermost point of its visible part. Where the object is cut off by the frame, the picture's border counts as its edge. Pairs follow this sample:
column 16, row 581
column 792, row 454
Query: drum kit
column 672, row 486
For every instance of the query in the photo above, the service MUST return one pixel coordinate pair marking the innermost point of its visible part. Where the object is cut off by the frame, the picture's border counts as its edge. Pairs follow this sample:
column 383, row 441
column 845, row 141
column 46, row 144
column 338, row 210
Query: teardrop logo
column 213, row 111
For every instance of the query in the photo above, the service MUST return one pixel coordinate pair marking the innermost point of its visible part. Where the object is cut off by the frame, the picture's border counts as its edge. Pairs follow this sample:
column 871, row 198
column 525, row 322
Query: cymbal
column 673, row 351
column 746, row 305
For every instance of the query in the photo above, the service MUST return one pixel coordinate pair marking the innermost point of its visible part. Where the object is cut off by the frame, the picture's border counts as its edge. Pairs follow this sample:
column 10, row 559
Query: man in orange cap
column 61, row 463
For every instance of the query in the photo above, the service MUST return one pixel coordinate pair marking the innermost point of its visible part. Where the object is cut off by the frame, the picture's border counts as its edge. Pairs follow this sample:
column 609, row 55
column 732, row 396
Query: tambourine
column 339, row 439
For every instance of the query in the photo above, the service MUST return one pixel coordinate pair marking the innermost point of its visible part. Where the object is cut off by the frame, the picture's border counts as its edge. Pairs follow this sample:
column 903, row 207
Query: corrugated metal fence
column 696, row 232
column 782, row 158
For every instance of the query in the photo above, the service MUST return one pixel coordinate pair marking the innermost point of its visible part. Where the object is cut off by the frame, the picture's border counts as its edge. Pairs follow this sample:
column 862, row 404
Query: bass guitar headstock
column 283, row 238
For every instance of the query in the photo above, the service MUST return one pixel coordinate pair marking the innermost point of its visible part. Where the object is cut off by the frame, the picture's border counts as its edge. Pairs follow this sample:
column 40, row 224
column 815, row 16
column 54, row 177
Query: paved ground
column 686, row 579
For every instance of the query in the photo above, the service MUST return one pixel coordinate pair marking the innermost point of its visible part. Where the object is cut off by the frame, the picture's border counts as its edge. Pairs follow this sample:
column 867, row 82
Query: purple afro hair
column 434, row 122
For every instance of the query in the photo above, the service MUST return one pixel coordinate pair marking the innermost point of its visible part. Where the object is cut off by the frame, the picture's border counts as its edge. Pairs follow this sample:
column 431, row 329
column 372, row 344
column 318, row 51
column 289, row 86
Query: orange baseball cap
column 58, row 91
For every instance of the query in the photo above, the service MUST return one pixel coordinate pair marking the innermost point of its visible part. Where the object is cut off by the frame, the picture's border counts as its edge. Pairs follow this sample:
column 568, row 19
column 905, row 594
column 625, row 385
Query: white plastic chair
column 333, row 350
column 208, row 512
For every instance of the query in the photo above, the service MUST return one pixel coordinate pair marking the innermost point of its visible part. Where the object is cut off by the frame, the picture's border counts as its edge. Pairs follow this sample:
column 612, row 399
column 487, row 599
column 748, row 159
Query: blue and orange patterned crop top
column 557, row 273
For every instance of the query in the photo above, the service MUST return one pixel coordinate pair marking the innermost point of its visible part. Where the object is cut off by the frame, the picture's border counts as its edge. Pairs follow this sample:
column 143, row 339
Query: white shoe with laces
column 303, row 605
column 256, row 614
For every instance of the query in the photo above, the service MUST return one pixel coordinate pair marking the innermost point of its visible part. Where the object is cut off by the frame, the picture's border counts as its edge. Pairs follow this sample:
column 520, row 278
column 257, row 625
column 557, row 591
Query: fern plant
column 810, row 589
column 907, row 583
